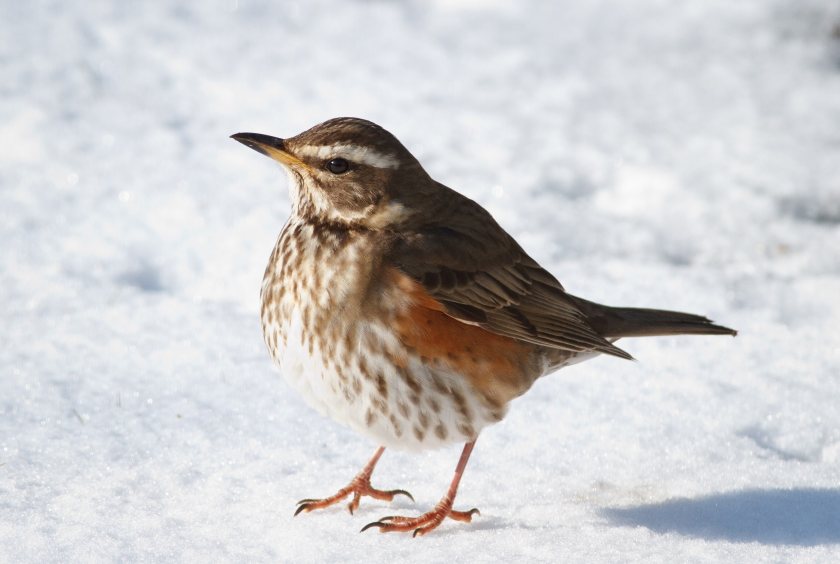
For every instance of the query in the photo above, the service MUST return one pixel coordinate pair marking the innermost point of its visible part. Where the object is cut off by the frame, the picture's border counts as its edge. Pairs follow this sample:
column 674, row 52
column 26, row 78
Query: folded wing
column 481, row 276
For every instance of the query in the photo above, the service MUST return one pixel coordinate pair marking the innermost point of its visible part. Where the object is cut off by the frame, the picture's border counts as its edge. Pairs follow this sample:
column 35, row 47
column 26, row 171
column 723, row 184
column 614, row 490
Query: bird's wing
column 480, row 275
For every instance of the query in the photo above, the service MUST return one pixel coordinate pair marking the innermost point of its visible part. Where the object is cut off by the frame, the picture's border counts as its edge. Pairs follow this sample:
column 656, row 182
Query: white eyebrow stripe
column 353, row 153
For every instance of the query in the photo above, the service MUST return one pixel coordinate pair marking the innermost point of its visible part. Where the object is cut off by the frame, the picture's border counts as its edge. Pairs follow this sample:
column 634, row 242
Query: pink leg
column 359, row 486
column 429, row 521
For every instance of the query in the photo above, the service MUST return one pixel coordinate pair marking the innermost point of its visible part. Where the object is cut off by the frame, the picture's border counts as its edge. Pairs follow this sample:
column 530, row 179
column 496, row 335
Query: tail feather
column 615, row 322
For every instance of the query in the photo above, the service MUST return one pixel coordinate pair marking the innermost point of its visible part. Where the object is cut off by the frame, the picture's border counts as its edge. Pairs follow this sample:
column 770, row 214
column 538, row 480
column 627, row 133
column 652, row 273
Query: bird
column 399, row 307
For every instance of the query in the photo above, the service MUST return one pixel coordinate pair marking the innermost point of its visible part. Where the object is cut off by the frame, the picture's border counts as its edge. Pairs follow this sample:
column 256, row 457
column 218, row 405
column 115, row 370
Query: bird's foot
column 358, row 487
column 424, row 523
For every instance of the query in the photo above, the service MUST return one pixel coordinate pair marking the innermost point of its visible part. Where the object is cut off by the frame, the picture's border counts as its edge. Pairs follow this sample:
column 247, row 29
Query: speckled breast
column 336, row 323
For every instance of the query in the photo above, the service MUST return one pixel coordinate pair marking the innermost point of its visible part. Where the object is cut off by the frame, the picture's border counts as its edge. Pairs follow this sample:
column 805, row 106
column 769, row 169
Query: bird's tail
column 615, row 322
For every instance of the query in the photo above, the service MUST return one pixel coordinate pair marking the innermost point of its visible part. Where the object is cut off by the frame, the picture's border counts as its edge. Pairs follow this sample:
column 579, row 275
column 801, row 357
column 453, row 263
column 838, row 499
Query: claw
column 374, row 524
column 402, row 492
column 301, row 509
column 354, row 503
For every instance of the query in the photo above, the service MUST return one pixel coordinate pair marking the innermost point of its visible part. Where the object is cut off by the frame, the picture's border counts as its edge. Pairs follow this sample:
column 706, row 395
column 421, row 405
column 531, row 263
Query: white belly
column 328, row 333
column 402, row 418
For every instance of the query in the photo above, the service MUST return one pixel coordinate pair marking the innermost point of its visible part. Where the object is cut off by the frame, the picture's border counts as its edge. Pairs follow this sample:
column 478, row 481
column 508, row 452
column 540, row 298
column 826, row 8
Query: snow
column 668, row 154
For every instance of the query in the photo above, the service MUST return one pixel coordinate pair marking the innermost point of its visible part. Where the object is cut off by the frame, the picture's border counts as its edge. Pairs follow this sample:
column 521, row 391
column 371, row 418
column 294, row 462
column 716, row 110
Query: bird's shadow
column 802, row 517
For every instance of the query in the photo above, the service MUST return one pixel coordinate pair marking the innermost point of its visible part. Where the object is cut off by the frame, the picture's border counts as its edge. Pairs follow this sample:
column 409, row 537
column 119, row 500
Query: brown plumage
column 401, row 308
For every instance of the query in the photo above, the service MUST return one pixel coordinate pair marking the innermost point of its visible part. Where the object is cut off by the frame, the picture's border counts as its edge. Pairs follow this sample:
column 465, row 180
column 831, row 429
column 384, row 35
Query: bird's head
column 348, row 171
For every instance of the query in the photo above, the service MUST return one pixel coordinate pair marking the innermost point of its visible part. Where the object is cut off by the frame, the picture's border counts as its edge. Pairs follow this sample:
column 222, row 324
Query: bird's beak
column 269, row 146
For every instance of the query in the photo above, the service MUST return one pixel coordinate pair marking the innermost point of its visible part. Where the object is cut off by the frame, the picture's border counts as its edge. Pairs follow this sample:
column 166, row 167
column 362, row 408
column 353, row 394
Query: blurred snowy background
column 680, row 155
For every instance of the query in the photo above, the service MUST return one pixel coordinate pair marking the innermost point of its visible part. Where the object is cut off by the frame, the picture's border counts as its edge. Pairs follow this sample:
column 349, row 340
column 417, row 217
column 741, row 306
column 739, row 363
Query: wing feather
column 480, row 275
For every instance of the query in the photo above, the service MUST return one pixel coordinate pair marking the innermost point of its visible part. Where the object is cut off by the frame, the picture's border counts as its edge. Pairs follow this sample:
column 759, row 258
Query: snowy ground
column 670, row 154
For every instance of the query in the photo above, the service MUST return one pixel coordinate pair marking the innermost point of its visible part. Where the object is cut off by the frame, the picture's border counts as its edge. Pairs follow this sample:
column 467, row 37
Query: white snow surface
column 680, row 155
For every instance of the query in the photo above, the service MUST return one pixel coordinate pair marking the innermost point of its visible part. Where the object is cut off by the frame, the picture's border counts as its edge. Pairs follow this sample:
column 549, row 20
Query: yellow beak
column 269, row 146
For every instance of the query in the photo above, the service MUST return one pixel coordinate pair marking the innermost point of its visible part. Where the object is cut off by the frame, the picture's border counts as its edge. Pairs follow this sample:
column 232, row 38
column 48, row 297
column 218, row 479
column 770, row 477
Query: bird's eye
column 338, row 166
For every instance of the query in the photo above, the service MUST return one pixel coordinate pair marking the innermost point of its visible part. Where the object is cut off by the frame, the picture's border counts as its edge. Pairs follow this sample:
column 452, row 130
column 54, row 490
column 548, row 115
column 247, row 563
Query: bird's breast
column 364, row 345
column 317, row 274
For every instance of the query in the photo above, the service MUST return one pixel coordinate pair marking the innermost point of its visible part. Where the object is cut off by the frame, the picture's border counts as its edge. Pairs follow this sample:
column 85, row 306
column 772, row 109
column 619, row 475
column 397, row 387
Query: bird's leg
column 429, row 521
column 358, row 486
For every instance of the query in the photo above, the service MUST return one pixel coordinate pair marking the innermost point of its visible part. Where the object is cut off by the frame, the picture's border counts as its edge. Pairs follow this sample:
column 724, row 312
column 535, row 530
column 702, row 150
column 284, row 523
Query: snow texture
column 680, row 155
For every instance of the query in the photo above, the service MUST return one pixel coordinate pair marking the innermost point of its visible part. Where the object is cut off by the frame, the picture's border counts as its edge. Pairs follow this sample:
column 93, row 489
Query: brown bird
column 400, row 308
